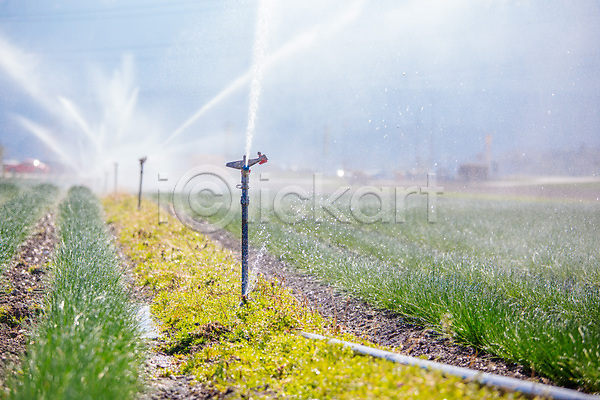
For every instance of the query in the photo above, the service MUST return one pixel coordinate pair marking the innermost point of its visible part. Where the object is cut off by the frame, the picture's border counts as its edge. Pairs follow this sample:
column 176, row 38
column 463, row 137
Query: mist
column 379, row 86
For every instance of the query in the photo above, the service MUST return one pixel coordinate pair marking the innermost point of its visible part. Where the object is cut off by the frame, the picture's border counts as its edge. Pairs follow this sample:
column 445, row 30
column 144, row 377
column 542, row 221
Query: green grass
column 519, row 279
column 253, row 351
column 8, row 190
column 86, row 345
column 19, row 212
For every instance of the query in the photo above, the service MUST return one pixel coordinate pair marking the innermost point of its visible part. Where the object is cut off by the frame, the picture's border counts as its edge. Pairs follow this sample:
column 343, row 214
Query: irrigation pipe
column 502, row 382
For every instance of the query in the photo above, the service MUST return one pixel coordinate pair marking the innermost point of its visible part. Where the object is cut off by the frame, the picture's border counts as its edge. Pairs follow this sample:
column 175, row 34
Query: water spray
column 244, row 166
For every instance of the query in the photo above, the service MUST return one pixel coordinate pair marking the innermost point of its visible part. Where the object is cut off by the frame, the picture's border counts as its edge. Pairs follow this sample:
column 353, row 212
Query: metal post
column 244, row 166
column 245, row 200
column 142, row 161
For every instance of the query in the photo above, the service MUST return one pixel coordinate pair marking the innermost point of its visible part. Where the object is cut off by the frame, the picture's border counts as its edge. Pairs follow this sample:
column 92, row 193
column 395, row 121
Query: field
column 254, row 351
column 83, row 339
column 519, row 279
column 516, row 279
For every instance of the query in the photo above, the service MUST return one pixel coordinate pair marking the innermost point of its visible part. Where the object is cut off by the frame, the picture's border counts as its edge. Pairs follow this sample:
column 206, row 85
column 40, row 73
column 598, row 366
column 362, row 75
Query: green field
column 254, row 351
column 518, row 279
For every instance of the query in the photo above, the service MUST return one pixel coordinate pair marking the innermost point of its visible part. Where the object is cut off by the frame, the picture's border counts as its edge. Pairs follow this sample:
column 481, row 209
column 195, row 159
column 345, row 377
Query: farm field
column 519, row 279
column 84, row 339
column 252, row 351
column 514, row 278
column 299, row 200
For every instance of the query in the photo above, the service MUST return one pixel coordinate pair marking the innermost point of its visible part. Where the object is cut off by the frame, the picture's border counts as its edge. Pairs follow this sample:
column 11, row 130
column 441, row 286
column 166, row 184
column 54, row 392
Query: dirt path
column 22, row 289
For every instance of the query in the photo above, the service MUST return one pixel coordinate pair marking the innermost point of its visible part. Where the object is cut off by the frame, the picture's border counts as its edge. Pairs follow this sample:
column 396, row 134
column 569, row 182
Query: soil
column 161, row 386
column 22, row 289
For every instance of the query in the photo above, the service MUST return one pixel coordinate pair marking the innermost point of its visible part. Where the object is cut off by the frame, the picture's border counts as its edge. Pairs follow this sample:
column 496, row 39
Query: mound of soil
column 22, row 290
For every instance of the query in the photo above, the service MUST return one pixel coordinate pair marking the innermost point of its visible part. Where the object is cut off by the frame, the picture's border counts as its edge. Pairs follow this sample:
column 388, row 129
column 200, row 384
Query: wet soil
column 162, row 385
column 22, row 289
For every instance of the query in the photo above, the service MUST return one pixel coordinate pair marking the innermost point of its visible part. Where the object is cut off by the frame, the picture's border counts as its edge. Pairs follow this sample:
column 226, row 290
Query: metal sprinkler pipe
column 142, row 161
column 245, row 200
column 244, row 166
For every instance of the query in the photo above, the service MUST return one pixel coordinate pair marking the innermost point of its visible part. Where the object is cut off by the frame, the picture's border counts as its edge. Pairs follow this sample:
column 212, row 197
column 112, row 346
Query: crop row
column 86, row 344
column 517, row 279
column 20, row 210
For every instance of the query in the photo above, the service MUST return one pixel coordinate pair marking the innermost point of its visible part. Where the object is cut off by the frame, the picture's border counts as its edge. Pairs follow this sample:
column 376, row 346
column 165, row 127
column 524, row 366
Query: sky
column 380, row 85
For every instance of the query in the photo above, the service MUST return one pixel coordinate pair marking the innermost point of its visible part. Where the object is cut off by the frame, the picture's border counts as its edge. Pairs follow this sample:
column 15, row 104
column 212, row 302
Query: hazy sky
column 375, row 84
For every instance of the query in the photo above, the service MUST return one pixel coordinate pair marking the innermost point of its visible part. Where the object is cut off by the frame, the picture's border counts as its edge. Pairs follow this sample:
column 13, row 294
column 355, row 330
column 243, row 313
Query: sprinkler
column 142, row 161
column 244, row 165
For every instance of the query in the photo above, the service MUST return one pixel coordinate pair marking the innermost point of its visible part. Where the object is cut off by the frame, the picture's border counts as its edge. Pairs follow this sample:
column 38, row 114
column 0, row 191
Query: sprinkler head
column 240, row 164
